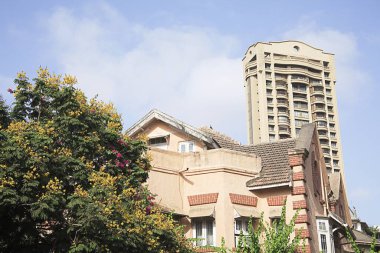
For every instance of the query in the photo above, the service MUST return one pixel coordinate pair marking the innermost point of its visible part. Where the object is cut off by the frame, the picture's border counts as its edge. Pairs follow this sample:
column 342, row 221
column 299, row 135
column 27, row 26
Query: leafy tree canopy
column 70, row 181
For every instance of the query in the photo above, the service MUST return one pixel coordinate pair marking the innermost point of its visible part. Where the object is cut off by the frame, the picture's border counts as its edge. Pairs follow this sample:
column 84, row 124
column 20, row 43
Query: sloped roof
column 158, row 115
column 275, row 162
column 363, row 238
column 274, row 157
column 334, row 179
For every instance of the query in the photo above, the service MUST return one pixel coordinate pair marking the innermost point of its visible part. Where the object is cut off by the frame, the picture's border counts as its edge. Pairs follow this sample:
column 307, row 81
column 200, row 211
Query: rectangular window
column 191, row 147
column 326, row 244
column 210, row 232
column 199, row 233
column 186, row 146
column 241, row 226
column 300, row 123
column 159, row 142
column 301, row 114
column 204, row 231
column 323, row 243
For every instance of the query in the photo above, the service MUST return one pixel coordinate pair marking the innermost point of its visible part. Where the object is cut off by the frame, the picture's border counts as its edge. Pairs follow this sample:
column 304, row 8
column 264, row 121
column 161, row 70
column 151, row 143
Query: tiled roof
column 275, row 162
column 274, row 157
column 364, row 238
column 223, row 140
column 334, row 179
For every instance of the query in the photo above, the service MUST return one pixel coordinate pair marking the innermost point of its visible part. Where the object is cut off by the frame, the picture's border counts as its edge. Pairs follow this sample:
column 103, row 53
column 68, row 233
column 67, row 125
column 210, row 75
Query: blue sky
column 184, row 58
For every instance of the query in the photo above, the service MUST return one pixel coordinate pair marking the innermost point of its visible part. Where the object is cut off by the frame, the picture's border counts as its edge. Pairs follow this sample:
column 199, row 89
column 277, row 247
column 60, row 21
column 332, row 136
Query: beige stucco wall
column 159, row 128
column 175, row 176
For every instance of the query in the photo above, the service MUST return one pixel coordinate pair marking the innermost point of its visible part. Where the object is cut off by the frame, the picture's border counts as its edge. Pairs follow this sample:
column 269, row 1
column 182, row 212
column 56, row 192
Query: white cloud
column 184, row 71
column 351, row 77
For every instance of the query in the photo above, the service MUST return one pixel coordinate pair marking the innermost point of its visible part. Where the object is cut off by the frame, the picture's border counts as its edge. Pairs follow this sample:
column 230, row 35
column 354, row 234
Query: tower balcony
column 280, row 78
column 281, row 94
column 300, row 98
column 299, row 79
column 316, row 84
column 282, row 104
column 315, row 108
column 281, row 86
column 317, row 92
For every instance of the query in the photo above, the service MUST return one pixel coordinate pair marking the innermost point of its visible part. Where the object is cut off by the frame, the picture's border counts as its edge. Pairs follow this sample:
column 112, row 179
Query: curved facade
column 289, row 84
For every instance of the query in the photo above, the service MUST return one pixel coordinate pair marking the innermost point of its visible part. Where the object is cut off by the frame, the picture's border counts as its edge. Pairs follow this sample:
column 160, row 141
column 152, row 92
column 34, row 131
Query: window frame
column 186, row 145
column 204, row 221
column 244, row 226
column 161, row 145
column 325, row 245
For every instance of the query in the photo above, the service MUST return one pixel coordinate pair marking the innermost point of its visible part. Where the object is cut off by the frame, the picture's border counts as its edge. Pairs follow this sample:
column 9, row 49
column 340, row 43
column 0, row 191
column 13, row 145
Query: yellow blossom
column 69, row 80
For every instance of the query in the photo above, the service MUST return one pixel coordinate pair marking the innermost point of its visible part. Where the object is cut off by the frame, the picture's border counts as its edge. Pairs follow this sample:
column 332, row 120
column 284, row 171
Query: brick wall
column 302, row 218
column 243, row 199
column 303, row 232
column 297, row 176
column 276, row 200
column 302, row 249
column 203, row 199
column 297, row 190
column 300, row 204
column 295, row 159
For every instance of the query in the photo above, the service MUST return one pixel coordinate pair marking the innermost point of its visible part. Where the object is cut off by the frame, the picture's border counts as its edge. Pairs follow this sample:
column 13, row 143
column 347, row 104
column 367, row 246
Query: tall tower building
column 289, row 84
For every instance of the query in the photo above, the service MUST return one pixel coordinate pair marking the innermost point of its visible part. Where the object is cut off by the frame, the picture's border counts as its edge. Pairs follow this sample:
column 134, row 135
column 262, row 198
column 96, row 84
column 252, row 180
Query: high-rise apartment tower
column 289, row 84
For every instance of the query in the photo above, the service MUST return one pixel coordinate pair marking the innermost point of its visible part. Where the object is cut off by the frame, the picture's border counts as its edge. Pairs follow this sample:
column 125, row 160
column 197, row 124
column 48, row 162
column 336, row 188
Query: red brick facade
column 302, row 218
column 276, row 200
column 297, row 176
column 302, row 249
column 243, row 199
column 299, row 190
column 300, row 204
column 203, row 199
column 303, row 232
column 295, row 159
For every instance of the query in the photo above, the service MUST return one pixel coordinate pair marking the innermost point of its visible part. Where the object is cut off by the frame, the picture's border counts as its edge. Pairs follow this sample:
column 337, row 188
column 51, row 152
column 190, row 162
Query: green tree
column 268, row 238
column 278, row 236
column 4, row 113
column 356, row 248
column 70, row 181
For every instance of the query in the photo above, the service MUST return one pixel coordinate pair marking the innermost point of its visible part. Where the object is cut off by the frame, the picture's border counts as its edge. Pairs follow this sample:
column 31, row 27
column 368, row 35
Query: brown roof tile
column 274, row 155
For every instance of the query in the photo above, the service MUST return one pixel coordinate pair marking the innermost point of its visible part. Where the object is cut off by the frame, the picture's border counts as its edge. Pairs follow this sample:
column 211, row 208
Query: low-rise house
column 364, row 235
column 213, row 184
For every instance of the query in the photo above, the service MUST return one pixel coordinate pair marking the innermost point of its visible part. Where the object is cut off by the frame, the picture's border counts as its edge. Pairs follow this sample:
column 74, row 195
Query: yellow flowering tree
column 70, row 181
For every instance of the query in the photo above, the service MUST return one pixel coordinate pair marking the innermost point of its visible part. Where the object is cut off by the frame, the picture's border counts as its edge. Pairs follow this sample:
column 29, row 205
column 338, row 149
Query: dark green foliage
column 268, row 238
column 4, row 114
column 70, row 181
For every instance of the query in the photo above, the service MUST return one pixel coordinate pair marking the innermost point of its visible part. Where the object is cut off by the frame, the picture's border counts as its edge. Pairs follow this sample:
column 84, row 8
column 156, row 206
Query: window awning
column 246, row 211
column 275, row 211
column 340, row 225
column 207, row 210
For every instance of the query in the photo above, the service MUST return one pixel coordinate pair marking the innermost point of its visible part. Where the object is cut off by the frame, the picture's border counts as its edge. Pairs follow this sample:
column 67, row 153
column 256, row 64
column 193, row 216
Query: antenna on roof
column 211, row 127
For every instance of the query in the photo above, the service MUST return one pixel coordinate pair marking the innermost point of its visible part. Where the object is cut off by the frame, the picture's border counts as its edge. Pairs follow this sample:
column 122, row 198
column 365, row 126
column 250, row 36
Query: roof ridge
column 219, row 134
column 270, row 142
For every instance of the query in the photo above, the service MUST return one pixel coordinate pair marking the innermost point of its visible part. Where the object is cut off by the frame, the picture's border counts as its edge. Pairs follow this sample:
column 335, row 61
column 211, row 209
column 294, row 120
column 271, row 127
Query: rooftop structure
column 289, row 84
column 212, row 184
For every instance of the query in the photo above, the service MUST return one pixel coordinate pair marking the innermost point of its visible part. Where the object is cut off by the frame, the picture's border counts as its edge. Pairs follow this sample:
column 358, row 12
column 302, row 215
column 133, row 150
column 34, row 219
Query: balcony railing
column 317, row 92
column 281, row 86
column 314, row 83
column 280, row 78
column 297, row 78
column 295, row 58
column 299, row 90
